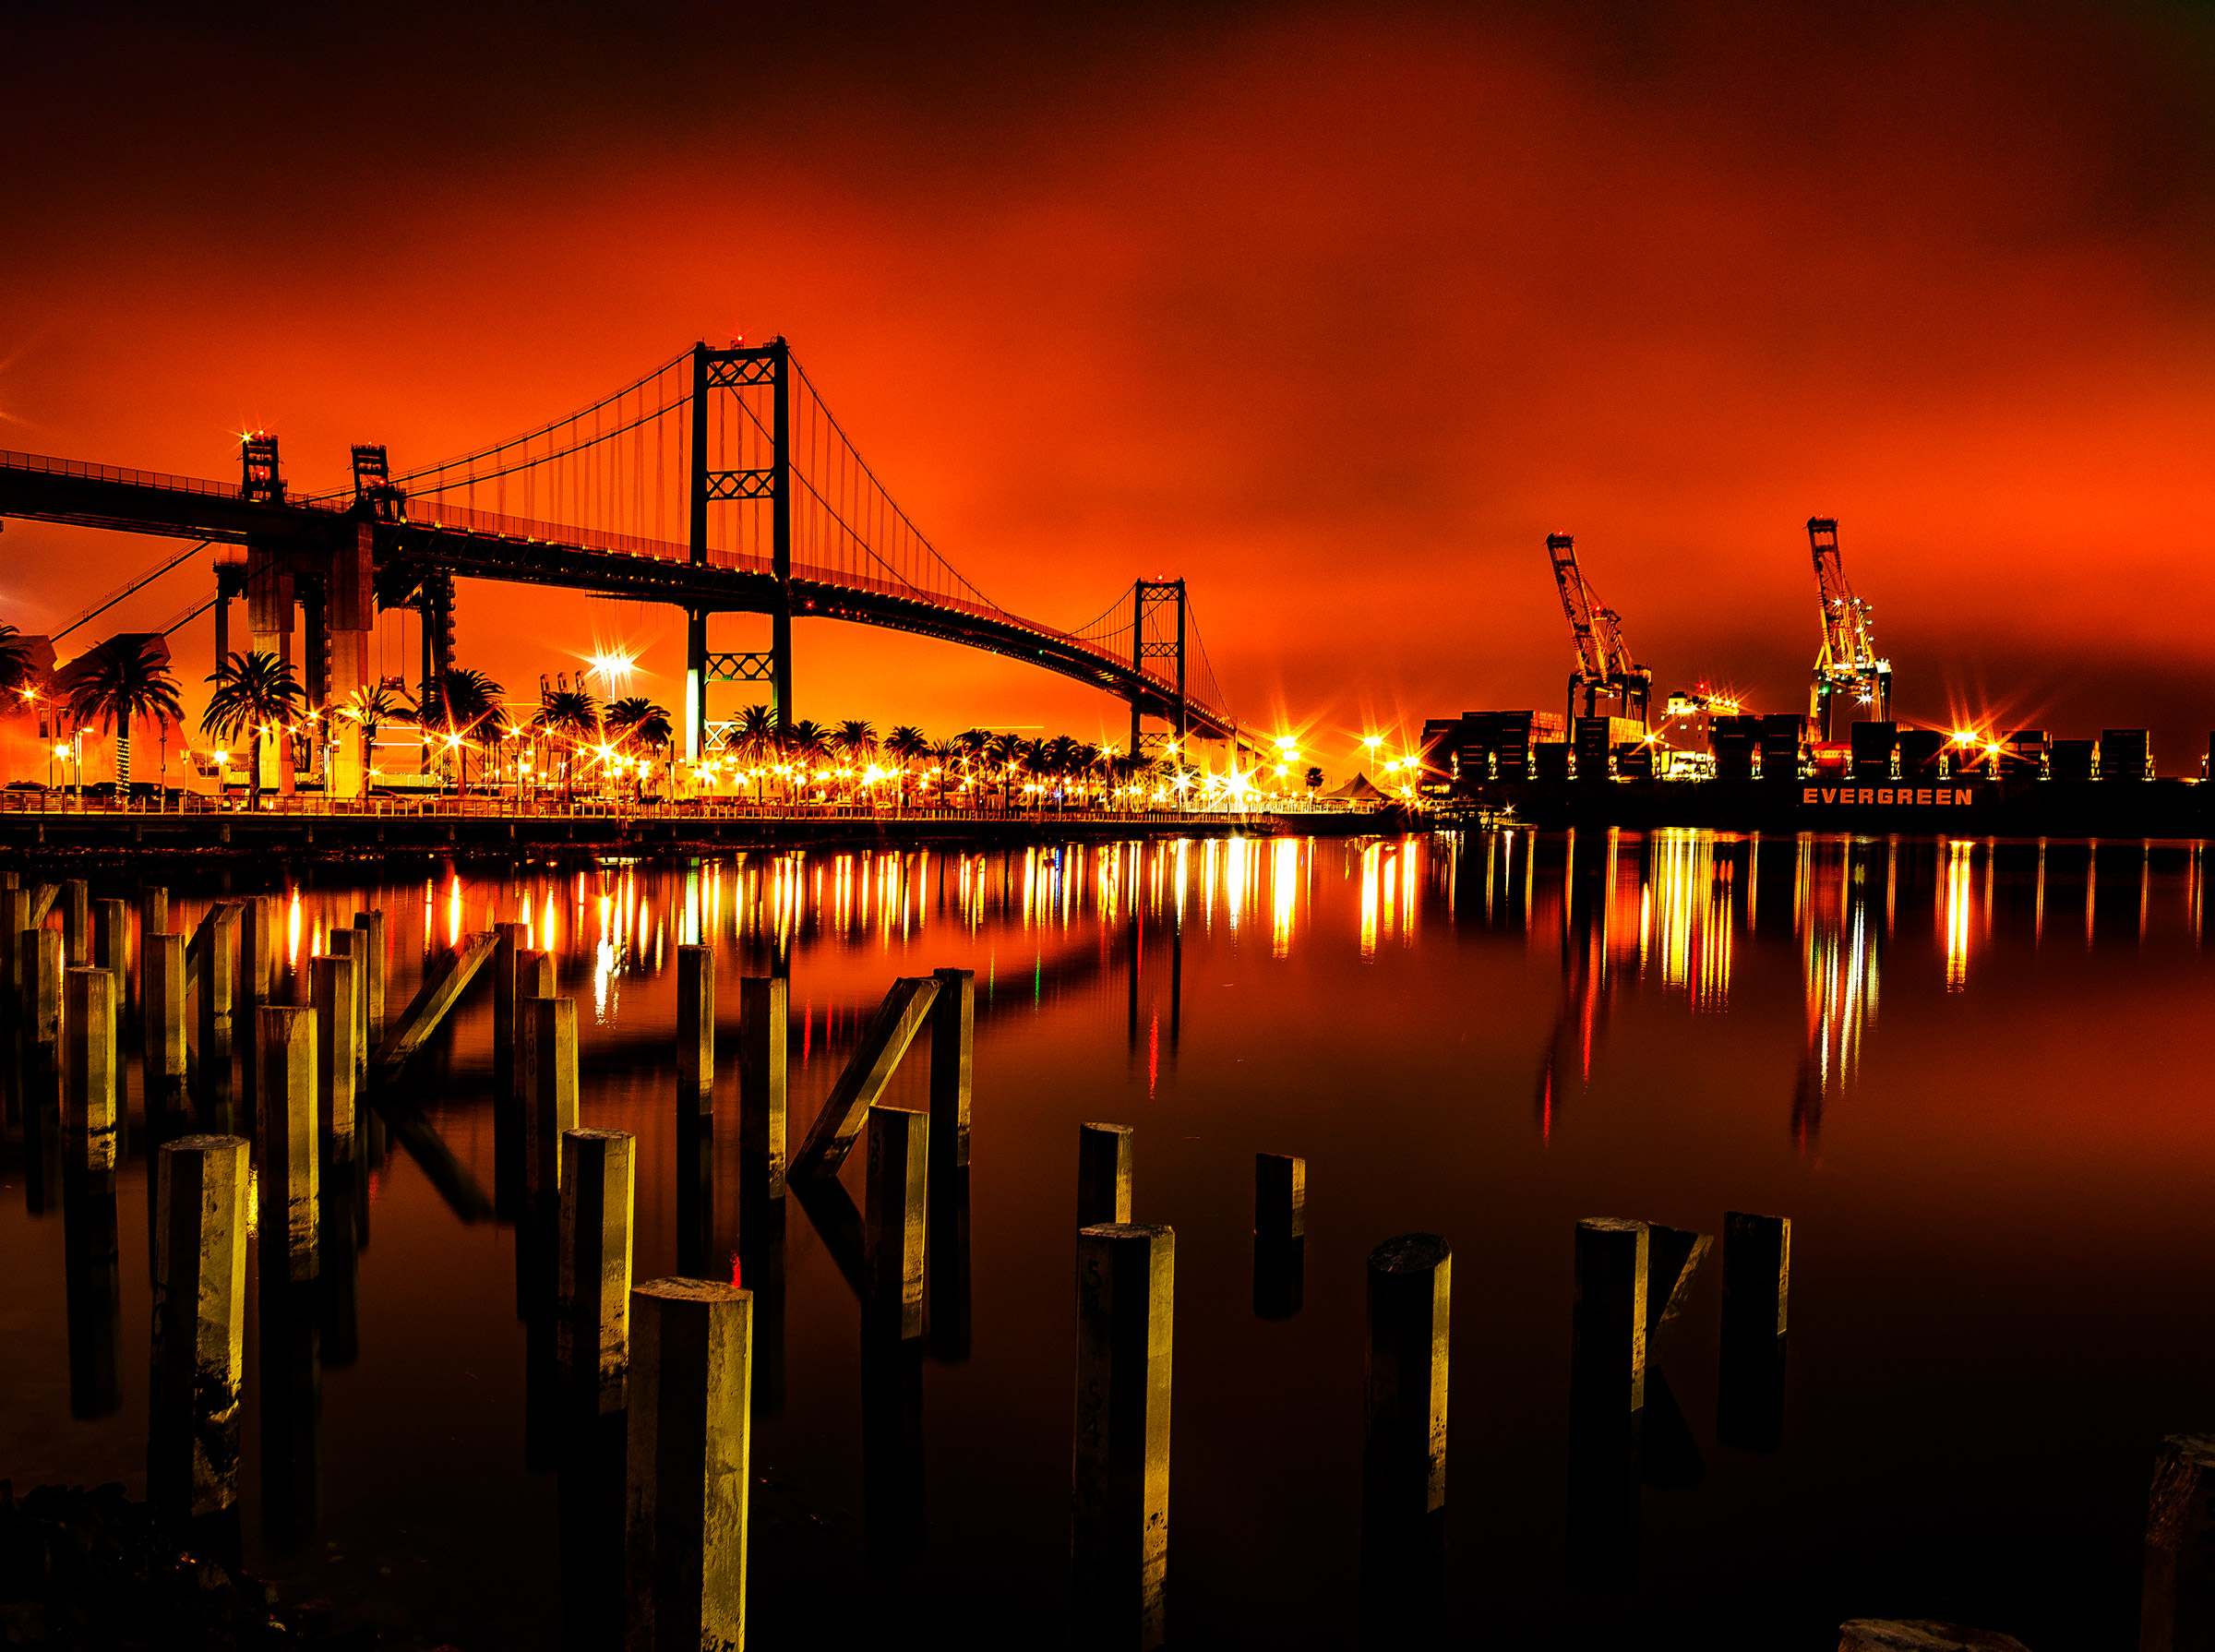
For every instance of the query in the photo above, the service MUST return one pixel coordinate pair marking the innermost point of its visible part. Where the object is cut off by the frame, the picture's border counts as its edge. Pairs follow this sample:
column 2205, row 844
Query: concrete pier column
column 372, row 926
column 199, row 1347
column 111, row 938
column 354, row 946
column 764, row 1012
column 76, row 921
column 599, row 1172
column 696, row 1032
column 1103, row 1174
column 1757, row 1281
column 257, row 949
column 1280, row 1234
column 88, row 1076
column 153, row 912
column 1119, row 1539
column 894, row 1205
column 504, row 952
column 689, row 1473
column 1404, row 1438
column 534, row 979
column 216, row 945
column 338, row 1050
column 285, row 1146
column 952, row 1054
column 548, row 1076
column 1607, row 1401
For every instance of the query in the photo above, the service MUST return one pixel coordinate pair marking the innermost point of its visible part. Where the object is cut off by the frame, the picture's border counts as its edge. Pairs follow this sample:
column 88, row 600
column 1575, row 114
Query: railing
column 40, row 464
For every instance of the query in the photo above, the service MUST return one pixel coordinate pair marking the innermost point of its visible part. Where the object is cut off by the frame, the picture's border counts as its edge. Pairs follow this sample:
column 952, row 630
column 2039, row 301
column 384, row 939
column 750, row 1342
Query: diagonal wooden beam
column 1673, row 1256
column 422, row 1016
column 42, row 902
column 906, row 1009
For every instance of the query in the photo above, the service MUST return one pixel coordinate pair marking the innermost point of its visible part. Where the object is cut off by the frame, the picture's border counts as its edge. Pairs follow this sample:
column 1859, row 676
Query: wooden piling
column 371, row 927
column 111, row 938
column 1280, row 1229
column 1119, row 1537
column 504, row 951
column 1758, row 1279
column 1404, row 1393
column 354, row 946
column 200, row 1325
column 214, row 947
column 15, row 918
column 285, row 1126
column 42, row 952
column 88, row 1076
column 763, row 1047
column 2177, row 1605
column 696, row 1032
column 153, row 912
column 257, row 949
column 894, row 1206
column 599, row 1175
column 548, row 1077
column 953, row 1054
column 1103, row 1174
column 338, row 1050
column 76, row 921
column 162, row 997
column 689, row 1470
column 1607, row 1401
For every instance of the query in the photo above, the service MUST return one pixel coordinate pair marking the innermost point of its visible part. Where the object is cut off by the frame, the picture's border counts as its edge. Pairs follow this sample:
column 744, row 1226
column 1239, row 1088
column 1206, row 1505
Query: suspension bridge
column 720, row 482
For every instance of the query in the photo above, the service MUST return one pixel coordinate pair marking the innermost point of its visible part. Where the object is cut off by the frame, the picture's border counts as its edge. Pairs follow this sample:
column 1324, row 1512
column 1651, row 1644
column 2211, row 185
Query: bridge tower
column 737, row 373
column 1151, row 600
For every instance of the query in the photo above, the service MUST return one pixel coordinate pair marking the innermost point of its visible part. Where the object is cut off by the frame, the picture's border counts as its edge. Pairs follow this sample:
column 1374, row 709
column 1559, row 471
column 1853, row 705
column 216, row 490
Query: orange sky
column 1337, row 311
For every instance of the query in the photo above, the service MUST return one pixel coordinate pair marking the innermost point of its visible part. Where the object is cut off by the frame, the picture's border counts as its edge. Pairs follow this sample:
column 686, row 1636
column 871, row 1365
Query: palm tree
column 253, row 693
column 467, row 702
column 806, row 744
column 1004, row 752
column 908, row 744
column 943, row 755
column 124, row 681
column 755, row 738
column 371, row 705
column 15, row 661
column 573, row 713
column 638, row 719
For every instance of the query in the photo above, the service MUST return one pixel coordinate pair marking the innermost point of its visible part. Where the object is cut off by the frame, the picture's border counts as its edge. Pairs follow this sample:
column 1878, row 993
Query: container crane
column 1848, row 667
column 1604, row 667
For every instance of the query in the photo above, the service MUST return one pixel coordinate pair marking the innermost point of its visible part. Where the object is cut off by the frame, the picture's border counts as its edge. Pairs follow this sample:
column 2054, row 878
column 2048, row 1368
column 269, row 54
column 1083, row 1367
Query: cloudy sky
column 1335, row 310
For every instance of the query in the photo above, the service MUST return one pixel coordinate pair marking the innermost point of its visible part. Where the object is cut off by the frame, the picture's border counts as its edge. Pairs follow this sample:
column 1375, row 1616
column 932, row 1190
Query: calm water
column 1975, row 1078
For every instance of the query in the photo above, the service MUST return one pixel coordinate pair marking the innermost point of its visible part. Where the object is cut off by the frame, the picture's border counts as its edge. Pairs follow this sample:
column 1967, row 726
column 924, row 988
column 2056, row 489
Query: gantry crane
column 1848, row 667
column 1604, row 667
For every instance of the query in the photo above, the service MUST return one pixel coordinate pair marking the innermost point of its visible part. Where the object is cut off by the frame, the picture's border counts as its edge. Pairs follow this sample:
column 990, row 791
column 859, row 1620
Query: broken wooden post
column 284, row 1129
column 1103, row 1174
column 953, row 1054
column 688, row 1476
column 200, row 1325
column 338, row 1050
column 370, row 926
column 428, row 1007
column 1280, row 1229
column 76, row 921
column 548, row 1078
column 2178, row 1607
column 1410, row 1299
column 508, row 943
column 696, row 1033
column 111, row 938
column 88, row 1086
column 592, row 1293
column 162, row 997
column 894, row 1206
column 1758, row 1279
column 867, row 1073
column 1607, row 1399
column 1119, row 1539
column 763, row 1041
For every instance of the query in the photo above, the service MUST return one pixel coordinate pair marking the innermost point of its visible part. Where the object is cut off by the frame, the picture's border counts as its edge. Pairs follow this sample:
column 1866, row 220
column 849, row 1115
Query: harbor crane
column 1848, row 668
column 1604, row 667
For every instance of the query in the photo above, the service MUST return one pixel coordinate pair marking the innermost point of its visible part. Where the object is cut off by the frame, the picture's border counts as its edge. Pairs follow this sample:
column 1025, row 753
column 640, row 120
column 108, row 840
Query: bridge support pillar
column 270, row 602
column 695, row 719
column 349, row 616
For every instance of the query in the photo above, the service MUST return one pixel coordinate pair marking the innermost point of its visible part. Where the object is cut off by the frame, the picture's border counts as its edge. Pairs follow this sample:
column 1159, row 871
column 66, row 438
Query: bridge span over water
column 718, row 484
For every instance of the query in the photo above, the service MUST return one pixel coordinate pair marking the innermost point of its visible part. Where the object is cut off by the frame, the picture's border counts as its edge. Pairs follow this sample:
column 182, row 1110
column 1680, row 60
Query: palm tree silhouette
column 15, row 661
column 370, row 706
column 126, row 680
column 467, row 702
column 806, row 744
column 906, row 745
column 255, row 693
column 573, row 713
column 638, row 719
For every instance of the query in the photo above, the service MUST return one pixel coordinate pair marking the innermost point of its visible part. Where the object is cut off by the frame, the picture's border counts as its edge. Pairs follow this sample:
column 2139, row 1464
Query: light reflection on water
column 1485, row 1036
